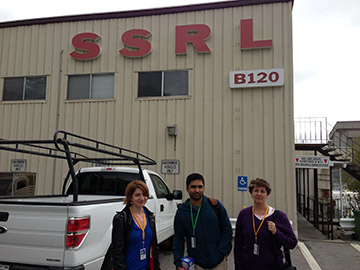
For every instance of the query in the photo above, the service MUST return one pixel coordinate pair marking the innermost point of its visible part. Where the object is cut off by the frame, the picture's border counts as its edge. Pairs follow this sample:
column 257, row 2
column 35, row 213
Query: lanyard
column 192, row 218
column 139, row 225
column 253, row 217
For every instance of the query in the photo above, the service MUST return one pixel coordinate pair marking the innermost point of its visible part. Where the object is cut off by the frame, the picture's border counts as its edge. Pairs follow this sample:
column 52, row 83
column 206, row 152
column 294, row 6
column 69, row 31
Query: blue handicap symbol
column 242, row 183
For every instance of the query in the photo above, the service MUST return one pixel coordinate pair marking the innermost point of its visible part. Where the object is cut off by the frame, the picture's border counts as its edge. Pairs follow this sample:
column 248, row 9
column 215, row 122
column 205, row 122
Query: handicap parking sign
column 242, row 183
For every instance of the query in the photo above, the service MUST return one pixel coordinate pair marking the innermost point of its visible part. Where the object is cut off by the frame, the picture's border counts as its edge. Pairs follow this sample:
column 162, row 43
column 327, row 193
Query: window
column 161, row 189
column 99, row 86
column 163, row 83
column 17, row 184
column 24, row 88
column 103, row 183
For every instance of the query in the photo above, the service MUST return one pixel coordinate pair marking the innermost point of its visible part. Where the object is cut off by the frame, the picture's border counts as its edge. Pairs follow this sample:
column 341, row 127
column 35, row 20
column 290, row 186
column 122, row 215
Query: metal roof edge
column 139, row 13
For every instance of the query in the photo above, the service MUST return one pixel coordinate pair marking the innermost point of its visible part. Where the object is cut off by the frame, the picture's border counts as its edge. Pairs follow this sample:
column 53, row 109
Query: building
column 209, row 86
column 344, row 132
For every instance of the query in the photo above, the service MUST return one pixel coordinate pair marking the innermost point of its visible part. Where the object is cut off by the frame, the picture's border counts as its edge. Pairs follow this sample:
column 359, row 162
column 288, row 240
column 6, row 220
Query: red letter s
column 84, row 42
column 135, row 39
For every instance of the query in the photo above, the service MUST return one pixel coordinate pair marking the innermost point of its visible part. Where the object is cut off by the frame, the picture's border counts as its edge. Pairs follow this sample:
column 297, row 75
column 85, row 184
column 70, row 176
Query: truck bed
column 36, row 228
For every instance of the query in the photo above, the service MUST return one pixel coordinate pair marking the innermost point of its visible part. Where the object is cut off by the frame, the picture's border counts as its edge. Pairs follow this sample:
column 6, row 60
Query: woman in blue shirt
column 134, row 243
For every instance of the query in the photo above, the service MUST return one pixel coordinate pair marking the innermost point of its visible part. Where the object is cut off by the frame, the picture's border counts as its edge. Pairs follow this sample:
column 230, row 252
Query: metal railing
column 311, row 130
column 317, row 213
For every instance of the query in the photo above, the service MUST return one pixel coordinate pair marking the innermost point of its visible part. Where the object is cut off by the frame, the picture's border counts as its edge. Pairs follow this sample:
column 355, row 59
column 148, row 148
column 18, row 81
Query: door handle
column 162, row 208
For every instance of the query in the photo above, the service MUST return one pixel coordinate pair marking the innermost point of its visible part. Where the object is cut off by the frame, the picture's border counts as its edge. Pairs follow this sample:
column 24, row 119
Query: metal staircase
column 313, row 134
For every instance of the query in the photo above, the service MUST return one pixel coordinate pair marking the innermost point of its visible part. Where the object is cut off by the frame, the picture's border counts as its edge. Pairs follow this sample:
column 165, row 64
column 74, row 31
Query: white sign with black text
column 170, row 166
column 18, row 165
column 312, row 162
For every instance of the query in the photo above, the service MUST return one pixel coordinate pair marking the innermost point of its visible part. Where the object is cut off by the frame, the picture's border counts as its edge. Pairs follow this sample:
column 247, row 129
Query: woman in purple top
column 255, row 228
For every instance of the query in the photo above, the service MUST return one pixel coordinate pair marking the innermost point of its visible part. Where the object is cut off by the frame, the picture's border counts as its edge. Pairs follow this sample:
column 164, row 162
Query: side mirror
column 177, row 194
column 170, row 197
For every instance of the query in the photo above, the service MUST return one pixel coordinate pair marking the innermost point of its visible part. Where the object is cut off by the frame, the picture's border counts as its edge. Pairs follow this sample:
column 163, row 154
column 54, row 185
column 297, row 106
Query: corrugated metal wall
column 222, row 132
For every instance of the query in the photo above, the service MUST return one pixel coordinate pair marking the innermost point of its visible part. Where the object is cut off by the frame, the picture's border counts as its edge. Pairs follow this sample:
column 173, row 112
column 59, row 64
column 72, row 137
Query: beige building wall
column 223, row 133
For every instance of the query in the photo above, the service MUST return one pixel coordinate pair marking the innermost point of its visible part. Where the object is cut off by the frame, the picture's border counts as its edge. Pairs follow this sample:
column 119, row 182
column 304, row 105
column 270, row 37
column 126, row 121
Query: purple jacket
column 245, row 238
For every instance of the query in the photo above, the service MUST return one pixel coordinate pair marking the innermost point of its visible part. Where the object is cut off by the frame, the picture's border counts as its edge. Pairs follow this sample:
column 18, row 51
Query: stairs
column 347, row 155
column 314, row 137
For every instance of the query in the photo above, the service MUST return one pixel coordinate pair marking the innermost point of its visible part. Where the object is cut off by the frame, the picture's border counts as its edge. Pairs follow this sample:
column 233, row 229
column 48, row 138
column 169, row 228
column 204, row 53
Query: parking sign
column 242, row 183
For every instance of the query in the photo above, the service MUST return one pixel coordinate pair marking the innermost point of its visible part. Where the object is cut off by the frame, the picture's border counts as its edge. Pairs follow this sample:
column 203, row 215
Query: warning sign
column 312, row 162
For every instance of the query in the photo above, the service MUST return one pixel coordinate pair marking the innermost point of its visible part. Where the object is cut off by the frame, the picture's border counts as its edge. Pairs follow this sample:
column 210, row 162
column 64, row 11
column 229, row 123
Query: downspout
column 57, row 113
column 331, row 229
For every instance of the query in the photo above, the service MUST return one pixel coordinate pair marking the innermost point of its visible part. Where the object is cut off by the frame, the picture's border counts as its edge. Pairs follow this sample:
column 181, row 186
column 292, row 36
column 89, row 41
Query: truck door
column 164, row 209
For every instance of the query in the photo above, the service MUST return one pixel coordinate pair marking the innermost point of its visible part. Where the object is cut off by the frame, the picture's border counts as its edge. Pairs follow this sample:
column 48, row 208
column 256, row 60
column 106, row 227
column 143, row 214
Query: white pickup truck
column 72, row 231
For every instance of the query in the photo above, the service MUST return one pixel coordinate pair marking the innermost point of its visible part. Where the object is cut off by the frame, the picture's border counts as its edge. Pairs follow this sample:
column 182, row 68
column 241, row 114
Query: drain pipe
column 57, row 112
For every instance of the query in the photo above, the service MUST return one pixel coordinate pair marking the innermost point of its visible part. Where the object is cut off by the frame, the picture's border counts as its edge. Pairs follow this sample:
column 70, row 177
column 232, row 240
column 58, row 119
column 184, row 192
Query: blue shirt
column 135, row 244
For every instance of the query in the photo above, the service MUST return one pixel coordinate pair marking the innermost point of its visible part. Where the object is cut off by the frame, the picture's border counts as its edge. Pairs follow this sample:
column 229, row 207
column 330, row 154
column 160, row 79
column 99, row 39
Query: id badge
column 193, row 242
column 256, row 249
column 142, row 254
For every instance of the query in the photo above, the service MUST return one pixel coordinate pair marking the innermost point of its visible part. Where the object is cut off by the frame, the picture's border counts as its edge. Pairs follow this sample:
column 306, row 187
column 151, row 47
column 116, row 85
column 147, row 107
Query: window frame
column 24, row 80
column 162, row 90
column 90, row 92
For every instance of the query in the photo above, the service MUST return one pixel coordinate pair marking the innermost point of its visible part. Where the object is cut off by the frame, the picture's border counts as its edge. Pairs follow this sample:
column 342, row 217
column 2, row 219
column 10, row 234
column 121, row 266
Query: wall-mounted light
column 172, row 130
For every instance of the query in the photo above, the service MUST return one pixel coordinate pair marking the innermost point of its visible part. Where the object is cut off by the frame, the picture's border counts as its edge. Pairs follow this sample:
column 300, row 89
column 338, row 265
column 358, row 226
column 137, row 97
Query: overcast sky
column 326, row 35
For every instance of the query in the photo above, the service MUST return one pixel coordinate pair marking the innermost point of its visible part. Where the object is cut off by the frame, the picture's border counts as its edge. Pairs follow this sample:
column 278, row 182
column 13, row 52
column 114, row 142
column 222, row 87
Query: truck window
column 17, row 184
column 160, row 187
column 103, row 183
column 21, row 184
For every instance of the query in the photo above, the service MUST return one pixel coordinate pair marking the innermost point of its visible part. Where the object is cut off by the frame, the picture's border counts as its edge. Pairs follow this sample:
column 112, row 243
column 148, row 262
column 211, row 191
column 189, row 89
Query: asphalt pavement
column 313, row 252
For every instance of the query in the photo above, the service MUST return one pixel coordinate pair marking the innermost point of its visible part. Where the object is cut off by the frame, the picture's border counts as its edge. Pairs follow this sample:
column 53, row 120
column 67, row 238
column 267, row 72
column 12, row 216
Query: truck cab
column 112, row 182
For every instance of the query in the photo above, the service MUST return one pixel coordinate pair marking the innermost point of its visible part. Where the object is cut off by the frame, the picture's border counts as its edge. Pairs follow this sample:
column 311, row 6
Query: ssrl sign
column 312, row 162
column 137, row 42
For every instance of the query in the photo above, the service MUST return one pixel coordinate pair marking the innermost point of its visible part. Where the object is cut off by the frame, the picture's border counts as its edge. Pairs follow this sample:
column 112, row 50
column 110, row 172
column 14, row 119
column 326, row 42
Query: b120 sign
column 257, row 78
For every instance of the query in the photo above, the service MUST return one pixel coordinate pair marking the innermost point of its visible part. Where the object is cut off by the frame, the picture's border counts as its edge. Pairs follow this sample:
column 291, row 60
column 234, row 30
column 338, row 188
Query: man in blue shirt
column 204, row 225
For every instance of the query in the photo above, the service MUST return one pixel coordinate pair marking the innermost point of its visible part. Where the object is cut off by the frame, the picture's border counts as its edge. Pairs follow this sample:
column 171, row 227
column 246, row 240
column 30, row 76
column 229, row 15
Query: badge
column 193, row 242
column 142, row 254
column 256, row 249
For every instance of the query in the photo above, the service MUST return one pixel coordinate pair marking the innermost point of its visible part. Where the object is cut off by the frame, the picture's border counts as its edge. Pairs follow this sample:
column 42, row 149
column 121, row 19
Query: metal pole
column 297, row 189
column 72, row 170
column 308, row 194
column 341, row 196
column 331, row 206
column 303, row 199
column 316, row 198
column 54, row 178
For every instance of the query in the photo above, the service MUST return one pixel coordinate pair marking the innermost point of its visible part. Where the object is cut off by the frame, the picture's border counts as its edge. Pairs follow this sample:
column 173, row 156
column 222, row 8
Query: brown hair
column 132, row 186
column 258, row 182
